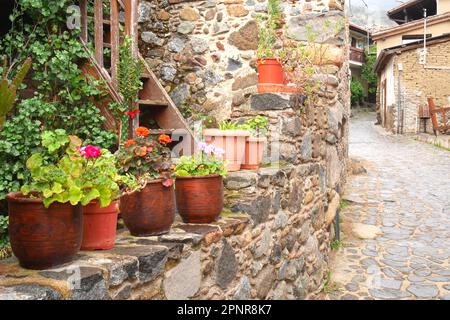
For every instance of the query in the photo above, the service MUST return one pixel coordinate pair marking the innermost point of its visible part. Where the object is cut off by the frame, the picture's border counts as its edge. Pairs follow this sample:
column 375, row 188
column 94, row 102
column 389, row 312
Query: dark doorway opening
column 7, row 7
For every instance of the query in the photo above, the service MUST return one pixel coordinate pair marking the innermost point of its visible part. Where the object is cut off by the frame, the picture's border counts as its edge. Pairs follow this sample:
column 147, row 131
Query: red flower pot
column 232, row 142
column 99, row 226
column 270, row 71
column 254, row 150
column 199, row 199
column 149, row 212
column 43, row 238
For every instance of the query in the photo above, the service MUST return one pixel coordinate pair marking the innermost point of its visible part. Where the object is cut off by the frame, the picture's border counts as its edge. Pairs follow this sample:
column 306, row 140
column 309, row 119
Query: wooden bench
column 434, row 110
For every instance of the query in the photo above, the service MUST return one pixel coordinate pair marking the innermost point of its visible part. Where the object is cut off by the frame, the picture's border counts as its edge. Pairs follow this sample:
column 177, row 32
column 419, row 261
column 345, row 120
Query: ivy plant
column 63, row 96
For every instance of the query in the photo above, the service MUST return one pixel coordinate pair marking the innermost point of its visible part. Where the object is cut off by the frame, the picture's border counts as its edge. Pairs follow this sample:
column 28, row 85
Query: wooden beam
column 84, row 20
column 115, row 40
column 98, row 27
column 131, row 23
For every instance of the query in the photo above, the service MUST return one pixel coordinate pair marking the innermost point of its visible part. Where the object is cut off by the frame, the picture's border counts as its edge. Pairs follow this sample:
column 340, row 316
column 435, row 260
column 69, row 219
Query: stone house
column 407, row 76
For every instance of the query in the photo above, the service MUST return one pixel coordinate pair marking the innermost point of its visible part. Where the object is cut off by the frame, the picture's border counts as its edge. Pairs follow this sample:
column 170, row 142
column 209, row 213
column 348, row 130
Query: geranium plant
column 147, row 158
column 65, row 171
column 207, row 162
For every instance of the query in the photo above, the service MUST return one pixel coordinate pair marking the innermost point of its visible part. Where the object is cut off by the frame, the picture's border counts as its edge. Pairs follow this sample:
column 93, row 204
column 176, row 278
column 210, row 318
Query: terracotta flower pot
column 199, row 199
column 254, row 150
column 99, row 226
column 270, row 70
column 232, row 142
column 149, row 212
column 43, row 238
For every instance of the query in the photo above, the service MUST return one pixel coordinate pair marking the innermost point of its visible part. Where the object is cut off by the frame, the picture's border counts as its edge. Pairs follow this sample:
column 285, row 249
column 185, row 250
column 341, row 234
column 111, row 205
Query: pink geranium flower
column 90, row 151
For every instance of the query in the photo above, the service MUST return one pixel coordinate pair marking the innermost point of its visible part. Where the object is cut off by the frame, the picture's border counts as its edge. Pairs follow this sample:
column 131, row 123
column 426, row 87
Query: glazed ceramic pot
column 199, row 199
column 40, row 237
column 149, row 212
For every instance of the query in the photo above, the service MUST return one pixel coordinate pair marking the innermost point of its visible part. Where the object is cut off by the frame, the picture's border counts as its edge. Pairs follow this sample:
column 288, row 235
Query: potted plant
column 254, row 145
column 270, row 68
column 199, row 185
column 148, row 209
column 46, row 217
column 231, row 138
column 100, row 214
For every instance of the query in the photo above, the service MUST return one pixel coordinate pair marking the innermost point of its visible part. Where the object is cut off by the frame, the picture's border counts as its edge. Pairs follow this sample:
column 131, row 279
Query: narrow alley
column 396, row 219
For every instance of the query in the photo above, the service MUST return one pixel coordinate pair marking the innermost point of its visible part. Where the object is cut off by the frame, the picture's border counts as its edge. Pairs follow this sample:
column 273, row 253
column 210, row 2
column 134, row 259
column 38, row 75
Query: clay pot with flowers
column 148, row 209
column 46, row 217
column 199, row 184
column 102, row 176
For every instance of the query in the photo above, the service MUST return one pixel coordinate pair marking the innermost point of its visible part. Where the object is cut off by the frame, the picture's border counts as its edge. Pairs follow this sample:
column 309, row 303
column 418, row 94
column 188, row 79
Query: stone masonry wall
column 273, row 238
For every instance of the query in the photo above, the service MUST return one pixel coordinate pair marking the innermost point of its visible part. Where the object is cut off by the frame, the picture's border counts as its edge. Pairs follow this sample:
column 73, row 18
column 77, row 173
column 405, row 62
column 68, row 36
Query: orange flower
column 129, row 143
column 164, row 139
column 142, row 131
column 141, row 151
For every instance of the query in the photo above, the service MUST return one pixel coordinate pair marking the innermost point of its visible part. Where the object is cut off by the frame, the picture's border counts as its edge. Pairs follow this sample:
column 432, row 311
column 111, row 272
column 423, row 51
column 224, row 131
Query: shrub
column 357, row 91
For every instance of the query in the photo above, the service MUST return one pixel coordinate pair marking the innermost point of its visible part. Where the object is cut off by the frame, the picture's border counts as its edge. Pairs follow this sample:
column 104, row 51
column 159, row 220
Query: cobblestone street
column 396, row 242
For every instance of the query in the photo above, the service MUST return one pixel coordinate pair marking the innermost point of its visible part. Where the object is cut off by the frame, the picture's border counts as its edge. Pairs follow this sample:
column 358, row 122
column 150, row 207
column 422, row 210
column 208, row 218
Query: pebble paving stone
column 405, row 194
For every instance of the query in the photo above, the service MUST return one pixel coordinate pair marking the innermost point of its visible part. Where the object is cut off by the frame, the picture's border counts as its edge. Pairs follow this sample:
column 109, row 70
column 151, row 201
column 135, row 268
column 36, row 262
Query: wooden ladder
column 154, row 103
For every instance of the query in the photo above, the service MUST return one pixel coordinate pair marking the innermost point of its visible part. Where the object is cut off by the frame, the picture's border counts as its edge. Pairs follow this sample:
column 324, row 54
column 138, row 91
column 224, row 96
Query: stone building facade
column 408, row 89
column 273, row 239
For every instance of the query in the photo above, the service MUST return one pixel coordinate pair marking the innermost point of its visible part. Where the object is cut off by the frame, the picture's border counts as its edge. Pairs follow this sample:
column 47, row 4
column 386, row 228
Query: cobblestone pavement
column 397, row 245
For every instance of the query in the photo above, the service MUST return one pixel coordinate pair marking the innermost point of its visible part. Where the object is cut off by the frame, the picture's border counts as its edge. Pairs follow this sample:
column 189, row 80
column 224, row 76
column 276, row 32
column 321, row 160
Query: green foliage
column 8, row 88
column 60, row 172
column 200, row 165
column 357, row 91
column 368, row 69
column 336, row 245
column 267, row 27
column 4, row 240
column 256, row 125
column 64, row 97
column 129, row 73
column 267, row 38
column 343, row 204
column 274, row 10
column 229, row 125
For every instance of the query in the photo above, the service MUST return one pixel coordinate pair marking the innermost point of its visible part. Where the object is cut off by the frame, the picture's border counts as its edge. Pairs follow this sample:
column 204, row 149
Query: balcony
column 356, row 56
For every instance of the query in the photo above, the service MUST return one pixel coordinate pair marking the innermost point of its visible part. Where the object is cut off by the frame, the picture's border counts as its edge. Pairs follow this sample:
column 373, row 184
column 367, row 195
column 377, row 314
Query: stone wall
column 272, row 242
column 273, row 239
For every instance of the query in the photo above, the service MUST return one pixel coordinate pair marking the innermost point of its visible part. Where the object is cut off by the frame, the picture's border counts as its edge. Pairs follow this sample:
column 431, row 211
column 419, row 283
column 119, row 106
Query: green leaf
column 92, row 194
column 75, row 195
column 57, row 188
column 34, row 161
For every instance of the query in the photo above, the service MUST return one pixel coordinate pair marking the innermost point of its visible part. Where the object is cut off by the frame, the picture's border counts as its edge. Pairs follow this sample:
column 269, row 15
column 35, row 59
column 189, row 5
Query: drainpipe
column 399, row 97
column 425, row 36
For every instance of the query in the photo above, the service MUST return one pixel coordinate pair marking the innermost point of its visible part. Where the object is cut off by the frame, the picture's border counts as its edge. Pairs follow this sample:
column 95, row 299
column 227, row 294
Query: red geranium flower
column 164, row 139
column 142, row 131
column 133, row 113
column 141, row 151
column 129, row 143
column 90, row 151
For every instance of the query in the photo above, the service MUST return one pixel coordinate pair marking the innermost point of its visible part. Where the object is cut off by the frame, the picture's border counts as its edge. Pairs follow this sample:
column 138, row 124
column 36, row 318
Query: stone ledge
column 113, row 274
